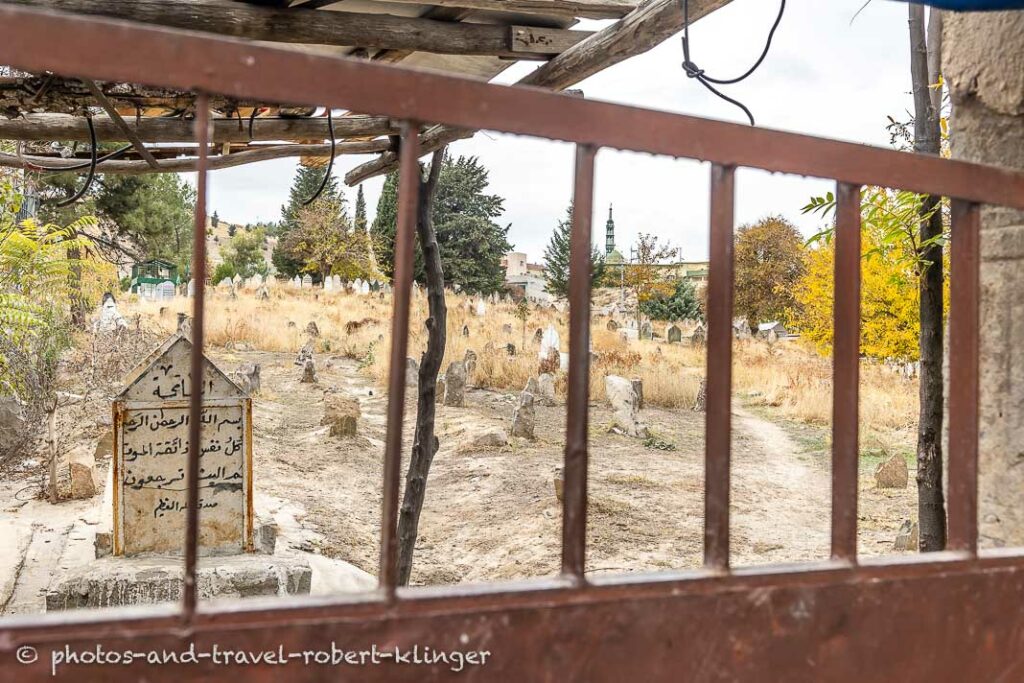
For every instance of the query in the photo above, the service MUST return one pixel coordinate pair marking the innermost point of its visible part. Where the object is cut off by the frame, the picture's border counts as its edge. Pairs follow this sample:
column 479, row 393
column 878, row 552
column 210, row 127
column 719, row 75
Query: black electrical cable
column 109, row 156
column 694, row 71
column 330, row 164
column 93, row 161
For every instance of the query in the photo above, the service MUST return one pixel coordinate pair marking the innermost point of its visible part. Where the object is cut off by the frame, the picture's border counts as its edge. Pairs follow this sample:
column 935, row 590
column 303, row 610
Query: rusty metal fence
column 956, row 613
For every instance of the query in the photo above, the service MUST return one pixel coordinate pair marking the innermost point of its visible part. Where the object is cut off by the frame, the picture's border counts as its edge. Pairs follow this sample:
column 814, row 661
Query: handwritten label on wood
column 542, row 41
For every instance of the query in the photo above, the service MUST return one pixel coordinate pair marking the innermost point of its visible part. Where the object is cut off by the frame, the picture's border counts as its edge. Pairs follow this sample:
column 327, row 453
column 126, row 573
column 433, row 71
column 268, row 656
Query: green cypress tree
column 556, row 260
column 471, row 243
column 360, row 217
column 382, row 231
column 681, row 304
column 304, row 185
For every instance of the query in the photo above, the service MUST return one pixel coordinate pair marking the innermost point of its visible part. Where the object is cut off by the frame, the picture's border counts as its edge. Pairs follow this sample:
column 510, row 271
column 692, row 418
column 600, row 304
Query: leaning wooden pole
column 425, row 444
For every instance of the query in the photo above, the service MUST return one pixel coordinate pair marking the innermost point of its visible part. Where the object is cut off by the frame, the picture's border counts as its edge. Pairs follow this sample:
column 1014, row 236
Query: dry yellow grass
column 791, row 380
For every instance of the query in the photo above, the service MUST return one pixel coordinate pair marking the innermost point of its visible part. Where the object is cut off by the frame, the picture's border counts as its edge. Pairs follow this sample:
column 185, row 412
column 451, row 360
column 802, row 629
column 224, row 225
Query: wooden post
column 425, row 444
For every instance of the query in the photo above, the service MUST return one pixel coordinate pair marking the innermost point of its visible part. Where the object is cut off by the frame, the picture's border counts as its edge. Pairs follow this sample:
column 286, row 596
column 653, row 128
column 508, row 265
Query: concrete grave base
column 115, row 581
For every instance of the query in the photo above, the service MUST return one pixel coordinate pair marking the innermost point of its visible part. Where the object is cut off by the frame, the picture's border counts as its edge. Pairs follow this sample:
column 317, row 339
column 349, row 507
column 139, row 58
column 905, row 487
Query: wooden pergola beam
column 566, row 9
column 188, row 164
column 644, row 28
column 352, row 29
column 45, row 127
column 122, row 126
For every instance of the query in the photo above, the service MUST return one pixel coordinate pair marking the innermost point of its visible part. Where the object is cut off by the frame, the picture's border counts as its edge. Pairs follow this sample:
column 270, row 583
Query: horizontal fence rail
column 729, row 623
column 193, row 61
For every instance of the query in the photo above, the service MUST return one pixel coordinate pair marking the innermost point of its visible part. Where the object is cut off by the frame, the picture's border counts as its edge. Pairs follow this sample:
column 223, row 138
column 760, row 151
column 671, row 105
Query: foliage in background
column 359, row 219
column 138, row 217
column 40, row 276
column 385, row 222
column 769, row 261
column 556, row 260
column 471, row 243
column 244, row 254
column 46, row 272
column 681, row 304
column 325, row 242
column 894, row 215
column 889, row 299
column 307, row 179
column 643, row 276
column 891, row 267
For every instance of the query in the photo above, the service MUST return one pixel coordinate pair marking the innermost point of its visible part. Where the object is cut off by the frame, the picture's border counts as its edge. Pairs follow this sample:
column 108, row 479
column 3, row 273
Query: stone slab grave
column 151, row 422
column 149, row 501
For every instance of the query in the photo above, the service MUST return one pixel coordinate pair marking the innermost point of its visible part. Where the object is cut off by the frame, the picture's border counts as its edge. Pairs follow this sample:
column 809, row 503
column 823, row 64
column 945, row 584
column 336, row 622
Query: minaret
column 609, row 233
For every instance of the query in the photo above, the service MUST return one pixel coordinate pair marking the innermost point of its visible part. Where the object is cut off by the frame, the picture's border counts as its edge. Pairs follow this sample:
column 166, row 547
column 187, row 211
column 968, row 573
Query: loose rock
column 494, row 437
column 247, row 377
column 412, row 372
column 892, row 474
column 524, row 417
column 82, row 467
column 545, row 389
column 908, row 537
column 341, row 413
column 625, row 406
column 455, row 385
column 309, row 372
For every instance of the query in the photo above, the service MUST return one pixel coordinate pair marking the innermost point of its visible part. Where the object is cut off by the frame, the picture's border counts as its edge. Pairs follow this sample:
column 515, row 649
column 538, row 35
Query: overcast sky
column 828, row 74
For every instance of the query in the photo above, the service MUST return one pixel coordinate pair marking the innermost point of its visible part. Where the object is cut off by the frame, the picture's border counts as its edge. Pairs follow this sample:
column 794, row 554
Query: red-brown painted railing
column 40, row 41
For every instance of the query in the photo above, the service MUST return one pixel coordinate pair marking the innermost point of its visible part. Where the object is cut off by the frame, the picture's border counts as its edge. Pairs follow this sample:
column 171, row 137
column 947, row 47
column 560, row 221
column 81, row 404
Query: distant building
column 525, row 276
column 694, row 271
column 771, row 331
column 154, row 279
column 611, row 254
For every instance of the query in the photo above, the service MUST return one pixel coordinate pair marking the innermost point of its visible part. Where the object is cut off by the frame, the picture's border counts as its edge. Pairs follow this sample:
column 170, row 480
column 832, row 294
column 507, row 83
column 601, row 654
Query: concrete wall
column 983, row 63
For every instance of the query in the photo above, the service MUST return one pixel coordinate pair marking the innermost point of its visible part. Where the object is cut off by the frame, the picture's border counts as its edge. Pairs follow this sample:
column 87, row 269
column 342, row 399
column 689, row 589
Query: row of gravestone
column 236, row 282
column 334, row 283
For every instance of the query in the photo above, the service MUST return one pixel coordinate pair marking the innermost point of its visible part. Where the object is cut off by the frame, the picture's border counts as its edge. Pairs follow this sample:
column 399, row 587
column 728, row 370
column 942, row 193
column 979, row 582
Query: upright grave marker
column 151, row 449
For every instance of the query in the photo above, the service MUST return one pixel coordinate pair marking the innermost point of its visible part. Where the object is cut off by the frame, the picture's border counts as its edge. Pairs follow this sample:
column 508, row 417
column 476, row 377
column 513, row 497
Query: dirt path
column 491, row 513
column 781, row 495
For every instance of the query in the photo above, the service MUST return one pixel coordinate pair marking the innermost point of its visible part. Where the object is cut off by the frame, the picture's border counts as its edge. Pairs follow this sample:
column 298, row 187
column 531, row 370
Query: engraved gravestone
column 151, row 425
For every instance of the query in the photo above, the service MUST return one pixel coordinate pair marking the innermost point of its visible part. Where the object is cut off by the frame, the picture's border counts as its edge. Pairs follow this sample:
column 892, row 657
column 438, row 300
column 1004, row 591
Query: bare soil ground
column 491, row 513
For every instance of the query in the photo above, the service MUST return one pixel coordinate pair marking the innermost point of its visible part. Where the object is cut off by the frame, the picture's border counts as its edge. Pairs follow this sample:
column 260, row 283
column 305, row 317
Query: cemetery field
column 491, row 510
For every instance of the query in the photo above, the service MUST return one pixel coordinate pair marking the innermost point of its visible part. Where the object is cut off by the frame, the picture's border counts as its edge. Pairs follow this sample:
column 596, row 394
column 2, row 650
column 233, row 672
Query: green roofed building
column 154, row 279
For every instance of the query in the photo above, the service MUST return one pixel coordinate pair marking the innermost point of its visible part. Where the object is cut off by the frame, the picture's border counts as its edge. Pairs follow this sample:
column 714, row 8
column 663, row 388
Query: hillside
column 220, row 237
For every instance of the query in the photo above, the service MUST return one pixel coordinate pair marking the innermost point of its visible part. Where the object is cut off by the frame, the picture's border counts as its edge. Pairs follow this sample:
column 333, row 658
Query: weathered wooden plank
column 642, row 29
column 188, row 164
column 531, row 39
column 377, row 31
column 647, row 26
column 587, row 9
column 73, row 128
column 125, row 129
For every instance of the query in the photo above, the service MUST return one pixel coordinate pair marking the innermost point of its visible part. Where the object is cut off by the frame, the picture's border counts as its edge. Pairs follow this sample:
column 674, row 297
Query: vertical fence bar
column 574, row 502
column 846, row 373
column 718, row 425
column 408, row 201
column 965, row 291
column 202, row 134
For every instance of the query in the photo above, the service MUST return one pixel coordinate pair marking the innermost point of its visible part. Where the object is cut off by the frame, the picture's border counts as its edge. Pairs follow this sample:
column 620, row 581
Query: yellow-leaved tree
column 889, row 299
